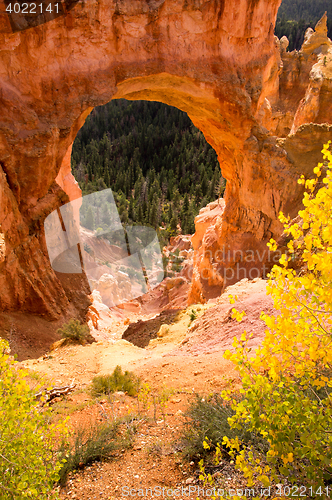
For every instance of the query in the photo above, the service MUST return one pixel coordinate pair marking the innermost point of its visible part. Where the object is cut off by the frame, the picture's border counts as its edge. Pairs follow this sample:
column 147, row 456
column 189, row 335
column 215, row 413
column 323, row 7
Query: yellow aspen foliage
column 287, row 382
column 29, row 465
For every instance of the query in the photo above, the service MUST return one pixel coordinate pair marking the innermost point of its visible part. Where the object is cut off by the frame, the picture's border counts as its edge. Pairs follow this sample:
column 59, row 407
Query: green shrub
column 88, row 249
column 28, row 465
column 75, row 331
column 118, row 381
column 193, row 315
column 207, row 417
column 91, row 444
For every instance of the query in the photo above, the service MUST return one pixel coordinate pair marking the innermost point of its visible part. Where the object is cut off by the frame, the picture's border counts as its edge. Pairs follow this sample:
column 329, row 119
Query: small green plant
column 28, row 465
column 154, row 398
column 74, row 331
column 193, row 315
column 163, row 398
column 91, row 444
column 220, row 188
column 118, row 381
column 88, row 249
column 207, row 418
column 157, row 399
column 36, row 376
column 144, row 397
column 156, row 448
column 65, row 407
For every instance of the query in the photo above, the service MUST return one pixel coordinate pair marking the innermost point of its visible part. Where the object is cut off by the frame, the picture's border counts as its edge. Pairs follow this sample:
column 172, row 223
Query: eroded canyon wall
column 216, row 60
column 292, row 125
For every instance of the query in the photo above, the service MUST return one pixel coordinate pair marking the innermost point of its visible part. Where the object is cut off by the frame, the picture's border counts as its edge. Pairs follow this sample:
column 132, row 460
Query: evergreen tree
column 131, row 210
column 140, row 217
column 170, row 213
column 185, row 207
column 153, row 215
column 105, row 215
column 89, row 219
column 173, row 225
column 107, row 178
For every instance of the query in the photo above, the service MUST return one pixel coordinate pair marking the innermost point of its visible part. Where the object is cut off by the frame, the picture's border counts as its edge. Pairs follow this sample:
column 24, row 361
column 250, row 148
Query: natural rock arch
column 216, row 60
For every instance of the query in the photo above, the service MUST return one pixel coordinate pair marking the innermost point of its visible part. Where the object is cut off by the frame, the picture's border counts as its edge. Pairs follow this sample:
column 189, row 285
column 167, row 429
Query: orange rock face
column 206, row 280
column 216, row 60
column 294, row 124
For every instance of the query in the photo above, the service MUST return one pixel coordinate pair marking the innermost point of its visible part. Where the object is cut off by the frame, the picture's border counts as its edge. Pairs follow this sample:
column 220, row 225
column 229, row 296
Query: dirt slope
column 185, row 357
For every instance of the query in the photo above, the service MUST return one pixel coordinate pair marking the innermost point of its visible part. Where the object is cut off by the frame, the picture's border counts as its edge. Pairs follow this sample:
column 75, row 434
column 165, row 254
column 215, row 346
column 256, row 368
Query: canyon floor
column 186, row 358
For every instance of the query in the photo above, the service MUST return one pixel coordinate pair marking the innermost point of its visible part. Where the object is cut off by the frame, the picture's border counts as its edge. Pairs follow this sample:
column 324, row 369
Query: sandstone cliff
column 216, row 60
column 295, row 122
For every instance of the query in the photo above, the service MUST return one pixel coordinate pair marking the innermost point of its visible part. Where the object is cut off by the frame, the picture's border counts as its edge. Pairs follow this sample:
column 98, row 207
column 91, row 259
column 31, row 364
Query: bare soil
column 186, row 359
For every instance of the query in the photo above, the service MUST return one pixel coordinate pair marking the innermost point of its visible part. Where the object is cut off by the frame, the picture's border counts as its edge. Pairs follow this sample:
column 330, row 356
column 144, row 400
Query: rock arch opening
column 161, row 171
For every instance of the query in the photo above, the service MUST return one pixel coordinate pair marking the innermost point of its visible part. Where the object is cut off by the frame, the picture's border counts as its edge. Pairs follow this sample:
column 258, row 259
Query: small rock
column 190, row 480
column 163, row 330
column 57, row 344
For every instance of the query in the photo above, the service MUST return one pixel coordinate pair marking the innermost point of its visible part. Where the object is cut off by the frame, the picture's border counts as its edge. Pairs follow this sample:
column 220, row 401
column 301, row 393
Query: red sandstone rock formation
column 216, row 60
column 206, row 280
column 300, row 118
